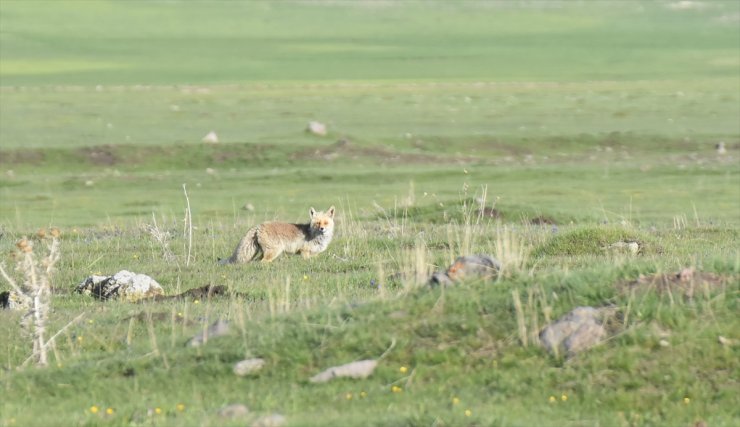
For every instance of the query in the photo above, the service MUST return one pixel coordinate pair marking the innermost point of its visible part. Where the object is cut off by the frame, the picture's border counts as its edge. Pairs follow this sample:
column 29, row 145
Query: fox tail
column 246, row 250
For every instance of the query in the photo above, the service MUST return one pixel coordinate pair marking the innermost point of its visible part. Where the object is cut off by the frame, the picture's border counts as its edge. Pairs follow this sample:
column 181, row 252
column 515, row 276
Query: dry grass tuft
column 34, row 295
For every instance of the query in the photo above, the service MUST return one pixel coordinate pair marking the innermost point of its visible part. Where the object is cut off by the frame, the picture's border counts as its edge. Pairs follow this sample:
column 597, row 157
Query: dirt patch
column 344, row 149
column 542, row 220
column 203, row 292
column 687, row 282
column 14, row 157
column 159, row 317
column 490, row 213
column 102, row 155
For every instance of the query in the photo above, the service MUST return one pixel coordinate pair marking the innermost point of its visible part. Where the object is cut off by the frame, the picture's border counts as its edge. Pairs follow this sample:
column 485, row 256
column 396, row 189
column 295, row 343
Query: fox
column 268, row 240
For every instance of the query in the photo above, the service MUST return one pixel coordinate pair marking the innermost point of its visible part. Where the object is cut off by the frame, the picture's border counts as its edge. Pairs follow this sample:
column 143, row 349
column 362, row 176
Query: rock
column 12, row 300
column 725, row 341
column 124, row 285
column 211, row 138
column 235, row 410
column 248, row 207
column 217, row 329
column 440, row 278
column 720, row 147
column 316, row 128
column 248, row 366
column 576, row 331
column 631, row 247
column 469, row 267
column 358, row 370
column 273, row 420
column 686, row 274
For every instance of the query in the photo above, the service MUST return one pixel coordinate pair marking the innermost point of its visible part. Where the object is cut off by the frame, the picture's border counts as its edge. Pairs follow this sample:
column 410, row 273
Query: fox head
column 322, row 222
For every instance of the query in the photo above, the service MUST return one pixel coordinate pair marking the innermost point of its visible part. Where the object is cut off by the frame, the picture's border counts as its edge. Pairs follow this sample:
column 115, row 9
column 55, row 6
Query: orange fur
column 270, row 239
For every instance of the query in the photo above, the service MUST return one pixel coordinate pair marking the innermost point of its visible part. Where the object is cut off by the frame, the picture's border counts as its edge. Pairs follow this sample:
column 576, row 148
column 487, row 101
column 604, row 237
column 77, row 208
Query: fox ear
column 312, row 212
column 330, row 212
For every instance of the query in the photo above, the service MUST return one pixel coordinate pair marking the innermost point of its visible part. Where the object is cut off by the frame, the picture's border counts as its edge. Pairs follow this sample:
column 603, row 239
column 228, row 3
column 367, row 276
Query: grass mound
column 595, row 240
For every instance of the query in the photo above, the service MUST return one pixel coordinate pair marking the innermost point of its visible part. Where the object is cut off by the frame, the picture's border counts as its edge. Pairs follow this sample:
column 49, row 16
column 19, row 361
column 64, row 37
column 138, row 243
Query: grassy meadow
column 538, row 132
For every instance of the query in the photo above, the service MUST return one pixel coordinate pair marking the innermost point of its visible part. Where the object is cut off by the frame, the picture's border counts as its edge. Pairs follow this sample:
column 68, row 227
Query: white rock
column 133, row 287
column 360, row 369
column 317, row 128
column 211, row 137
column 248, row 366
column 124, row 284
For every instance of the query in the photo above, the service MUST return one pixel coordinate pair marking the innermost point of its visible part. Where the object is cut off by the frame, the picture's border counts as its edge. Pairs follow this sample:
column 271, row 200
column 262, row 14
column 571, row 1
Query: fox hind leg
column 269, row 253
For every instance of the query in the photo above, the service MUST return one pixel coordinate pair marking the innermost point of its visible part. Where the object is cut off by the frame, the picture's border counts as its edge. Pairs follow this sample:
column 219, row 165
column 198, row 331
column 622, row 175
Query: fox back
column 270, row 239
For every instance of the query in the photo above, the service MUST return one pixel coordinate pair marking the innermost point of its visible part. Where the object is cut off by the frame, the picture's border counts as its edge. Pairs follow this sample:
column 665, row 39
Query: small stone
column 248, row 207
column 273, row 420
column 720, row 147
column 686, row 274
column 361, row 369
column 235, row 410
column 469, row 267
column 630, row 247
column 248, row 366
column 576, row 331
column 664, row 343
column 211, row 138
column 316, row 128
column 217, row 329
column 725, row 341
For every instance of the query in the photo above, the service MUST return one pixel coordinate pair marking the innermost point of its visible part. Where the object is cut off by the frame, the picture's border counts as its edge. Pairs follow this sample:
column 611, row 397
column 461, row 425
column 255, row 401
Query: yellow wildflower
column 552, row 399
column 94, row 409
column 455, row 400
column 180, row 407
column 468, row 412
column 564, row 397
column 396, row 389
column 403, row 369
column 109, row 411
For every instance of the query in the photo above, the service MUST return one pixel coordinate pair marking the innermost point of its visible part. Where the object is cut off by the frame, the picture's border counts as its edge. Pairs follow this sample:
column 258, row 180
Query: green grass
column 581, row 123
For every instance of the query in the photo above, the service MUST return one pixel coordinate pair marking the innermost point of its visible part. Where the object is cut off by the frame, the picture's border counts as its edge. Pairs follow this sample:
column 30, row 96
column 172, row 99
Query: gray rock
column 468, row 267
column 235, row 410
column 12, row 300
column 360, row 369
column 123, row 285
column 574, row 332
column 248, row 366
column 217, row 329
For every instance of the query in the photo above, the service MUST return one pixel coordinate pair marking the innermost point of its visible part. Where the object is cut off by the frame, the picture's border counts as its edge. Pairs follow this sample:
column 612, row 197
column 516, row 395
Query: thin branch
column 51, row 340
column 11, row 281
column 189, row 218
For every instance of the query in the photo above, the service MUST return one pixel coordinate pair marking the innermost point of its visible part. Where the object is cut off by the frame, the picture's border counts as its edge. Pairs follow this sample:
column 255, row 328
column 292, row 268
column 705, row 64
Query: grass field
column 581, row 123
